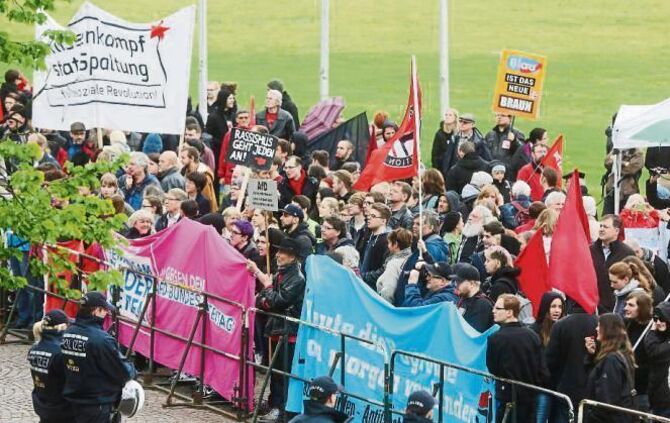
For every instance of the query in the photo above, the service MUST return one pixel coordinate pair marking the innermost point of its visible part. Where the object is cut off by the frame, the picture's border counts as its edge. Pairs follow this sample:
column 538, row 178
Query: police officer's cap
column 55, row 317
column 96, row 299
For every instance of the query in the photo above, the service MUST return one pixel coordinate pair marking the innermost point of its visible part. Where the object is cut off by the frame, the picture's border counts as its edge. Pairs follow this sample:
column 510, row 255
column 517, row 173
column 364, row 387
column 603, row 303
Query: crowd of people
column 451, row 234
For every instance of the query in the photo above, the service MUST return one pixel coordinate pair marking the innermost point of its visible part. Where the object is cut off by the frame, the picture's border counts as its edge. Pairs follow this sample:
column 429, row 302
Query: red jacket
column 531, row 174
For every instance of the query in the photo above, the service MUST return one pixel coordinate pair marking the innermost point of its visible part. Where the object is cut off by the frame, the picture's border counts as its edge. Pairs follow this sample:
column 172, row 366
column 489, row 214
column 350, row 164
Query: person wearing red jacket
column 225, row 170
column 531, row 173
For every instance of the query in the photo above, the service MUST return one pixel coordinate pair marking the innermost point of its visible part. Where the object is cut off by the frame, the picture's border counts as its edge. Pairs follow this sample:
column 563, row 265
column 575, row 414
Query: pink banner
column 190, row 258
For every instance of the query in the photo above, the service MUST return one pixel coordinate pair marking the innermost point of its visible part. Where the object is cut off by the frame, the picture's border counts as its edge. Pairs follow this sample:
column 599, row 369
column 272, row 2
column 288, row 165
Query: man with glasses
column 438, row 287
column 172, row 207
column 291, row 221
column 376, row 247
column 468, row 132
column 241, row 239
column 514, row 352
column 334, row 235
column 295, row 181
column 503, row 140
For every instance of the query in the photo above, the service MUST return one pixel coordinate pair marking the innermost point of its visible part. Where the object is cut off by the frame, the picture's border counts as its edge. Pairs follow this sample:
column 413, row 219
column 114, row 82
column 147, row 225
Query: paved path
column 16, row 385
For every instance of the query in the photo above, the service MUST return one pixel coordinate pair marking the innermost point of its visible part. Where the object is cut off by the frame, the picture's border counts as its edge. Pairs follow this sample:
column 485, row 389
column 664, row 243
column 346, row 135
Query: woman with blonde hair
column 328, row 207
column 48, row 369
column 140, row 224
column 623, row 282
column 546, row 222
column 647, row 281
column 445, row 144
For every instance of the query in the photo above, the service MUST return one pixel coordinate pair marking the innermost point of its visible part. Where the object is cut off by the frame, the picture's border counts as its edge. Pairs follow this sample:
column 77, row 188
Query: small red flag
column 533, row 280
column 397, row 158
column 554, row 157
column 570, row 266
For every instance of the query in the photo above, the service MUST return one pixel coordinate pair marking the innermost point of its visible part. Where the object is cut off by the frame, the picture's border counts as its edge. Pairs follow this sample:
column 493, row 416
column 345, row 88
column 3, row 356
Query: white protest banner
column 116, row 74
column 263, row 194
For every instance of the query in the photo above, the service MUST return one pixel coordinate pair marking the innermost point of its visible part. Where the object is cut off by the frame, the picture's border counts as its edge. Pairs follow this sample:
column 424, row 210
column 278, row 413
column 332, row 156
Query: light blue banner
column 337, row 299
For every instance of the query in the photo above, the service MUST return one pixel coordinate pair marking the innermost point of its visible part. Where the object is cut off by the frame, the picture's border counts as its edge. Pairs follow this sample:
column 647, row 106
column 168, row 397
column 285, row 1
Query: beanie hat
column 451, row 220
column 479, row 179
column 152, row 144
column 498, row 168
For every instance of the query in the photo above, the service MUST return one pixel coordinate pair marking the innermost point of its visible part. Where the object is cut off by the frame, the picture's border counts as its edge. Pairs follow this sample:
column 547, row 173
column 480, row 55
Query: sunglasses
column 658, row 319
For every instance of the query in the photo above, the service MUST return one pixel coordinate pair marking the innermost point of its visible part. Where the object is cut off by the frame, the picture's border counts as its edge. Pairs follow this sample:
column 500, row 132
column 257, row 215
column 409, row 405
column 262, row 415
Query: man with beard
column 531, row 173
column 291, row 221
column 399, row 194
column 342, row 181
column 343, row 153
column 475, row 307
column 168, row 171
column 473, row 231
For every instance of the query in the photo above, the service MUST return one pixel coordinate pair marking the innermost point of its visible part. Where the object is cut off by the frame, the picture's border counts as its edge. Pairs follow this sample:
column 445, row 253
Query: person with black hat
column 320, row 407
column 95, row 371
column 282, row 294
column 291, row 221
column 47, row 369
column 437, row 283
column 475, row 307
column 420, row 406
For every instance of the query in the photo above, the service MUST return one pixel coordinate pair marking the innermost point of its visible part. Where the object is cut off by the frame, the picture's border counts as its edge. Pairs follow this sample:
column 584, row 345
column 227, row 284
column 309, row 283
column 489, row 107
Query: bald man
column 343, row 154
column 168, row 171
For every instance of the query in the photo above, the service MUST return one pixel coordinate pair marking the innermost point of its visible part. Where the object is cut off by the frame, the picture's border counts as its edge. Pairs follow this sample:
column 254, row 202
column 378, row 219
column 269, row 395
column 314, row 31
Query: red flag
column 570, row 267
column 554, row 157
column 252, row 112
column 533, row 280
column 397, row 158
column 372, row 143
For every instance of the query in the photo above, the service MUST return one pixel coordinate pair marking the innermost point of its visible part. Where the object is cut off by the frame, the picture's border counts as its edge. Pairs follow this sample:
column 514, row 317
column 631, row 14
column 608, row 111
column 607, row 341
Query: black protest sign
column 251, row 149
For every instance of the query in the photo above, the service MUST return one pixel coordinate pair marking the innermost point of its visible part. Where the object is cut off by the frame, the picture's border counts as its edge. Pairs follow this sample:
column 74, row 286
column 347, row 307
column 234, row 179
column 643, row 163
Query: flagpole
column 444, row 57
column 417, row 137
column 202, row 60
column 325, row 49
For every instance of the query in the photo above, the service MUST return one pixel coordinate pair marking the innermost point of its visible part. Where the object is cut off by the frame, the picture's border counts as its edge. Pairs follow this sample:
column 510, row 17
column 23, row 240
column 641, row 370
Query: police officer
column 419, row 408
column 46, row 366
column 320, row 407
column 95, row 371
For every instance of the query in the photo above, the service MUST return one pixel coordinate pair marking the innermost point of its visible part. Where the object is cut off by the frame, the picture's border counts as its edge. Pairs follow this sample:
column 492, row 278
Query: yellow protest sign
column 519, row 84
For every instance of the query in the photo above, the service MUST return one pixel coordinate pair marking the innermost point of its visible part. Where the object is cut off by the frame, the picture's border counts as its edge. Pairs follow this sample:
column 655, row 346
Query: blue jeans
column 543, row 407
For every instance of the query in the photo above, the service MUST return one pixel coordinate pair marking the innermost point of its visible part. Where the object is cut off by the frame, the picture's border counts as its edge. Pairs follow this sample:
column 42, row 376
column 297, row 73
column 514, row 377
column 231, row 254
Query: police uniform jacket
column 95, row 371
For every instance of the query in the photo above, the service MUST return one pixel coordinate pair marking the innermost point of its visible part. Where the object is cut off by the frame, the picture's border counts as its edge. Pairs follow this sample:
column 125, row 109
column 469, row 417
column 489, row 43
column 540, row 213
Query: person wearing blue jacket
column 438, row 285
column 95, row 371
column 47, row 369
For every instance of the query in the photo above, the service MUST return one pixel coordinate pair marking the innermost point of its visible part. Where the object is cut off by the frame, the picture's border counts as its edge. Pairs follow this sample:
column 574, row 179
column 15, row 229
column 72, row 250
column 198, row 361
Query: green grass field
column 601, row 54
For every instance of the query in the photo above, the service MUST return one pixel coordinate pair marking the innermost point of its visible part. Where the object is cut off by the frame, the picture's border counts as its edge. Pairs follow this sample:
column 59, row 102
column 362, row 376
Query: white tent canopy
column 642, row 126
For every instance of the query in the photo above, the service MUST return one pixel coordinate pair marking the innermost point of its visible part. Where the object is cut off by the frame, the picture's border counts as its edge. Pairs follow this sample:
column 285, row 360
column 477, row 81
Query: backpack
column 521, row 216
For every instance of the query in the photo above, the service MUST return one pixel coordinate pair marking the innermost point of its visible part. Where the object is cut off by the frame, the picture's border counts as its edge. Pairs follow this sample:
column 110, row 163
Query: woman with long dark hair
column 612, row 370
column 552, row 308
column 637, row 314
column 433, row 187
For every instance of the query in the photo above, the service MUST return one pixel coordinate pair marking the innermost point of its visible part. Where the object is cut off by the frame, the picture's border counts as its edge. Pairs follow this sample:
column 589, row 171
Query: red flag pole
column 417, row 137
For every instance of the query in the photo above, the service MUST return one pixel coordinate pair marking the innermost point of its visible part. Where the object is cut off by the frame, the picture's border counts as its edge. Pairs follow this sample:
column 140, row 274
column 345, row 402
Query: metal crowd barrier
column 242, row 404
column 440, row 386
column 647, row 416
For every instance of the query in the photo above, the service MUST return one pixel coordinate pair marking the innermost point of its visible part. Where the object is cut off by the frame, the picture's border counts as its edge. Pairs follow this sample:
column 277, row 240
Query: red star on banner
column 159, row 30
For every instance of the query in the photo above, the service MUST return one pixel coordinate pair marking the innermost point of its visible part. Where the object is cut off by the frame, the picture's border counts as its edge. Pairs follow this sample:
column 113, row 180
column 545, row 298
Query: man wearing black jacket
column 282, row 294
column 475, row 307
column 514, row 352
column 376, row 248
column 503, row 140
column 606, row 251
column 565, row 356
column 95, row 371
column 469, row 162
column 295, row 181
column 291, row 220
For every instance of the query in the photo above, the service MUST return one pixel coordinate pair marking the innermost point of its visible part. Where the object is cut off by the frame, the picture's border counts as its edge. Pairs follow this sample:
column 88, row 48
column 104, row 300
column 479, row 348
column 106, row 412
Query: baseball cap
column 77, row 127
column 464, row 272
column 294, row 210
column 55, row 317
column 322, row 387
column 96, row 299
column 441, row 269
column 421, row 402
